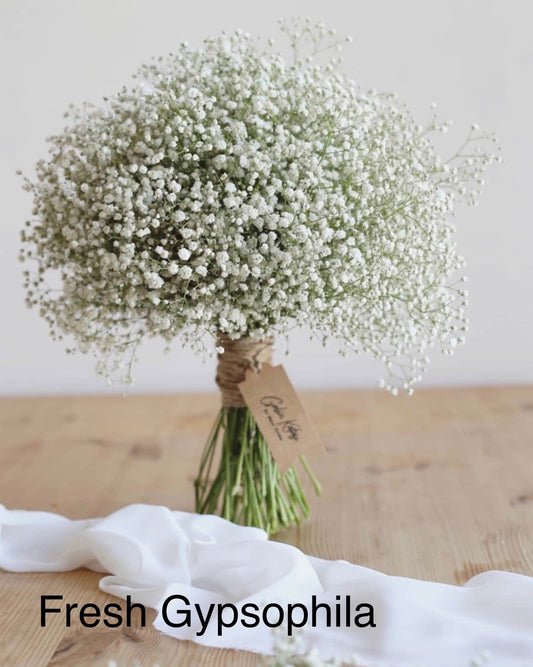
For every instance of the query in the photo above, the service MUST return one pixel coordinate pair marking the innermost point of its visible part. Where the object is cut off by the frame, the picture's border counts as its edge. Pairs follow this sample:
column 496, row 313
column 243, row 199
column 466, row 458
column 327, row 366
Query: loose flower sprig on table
column 288, row 652
column 232, row 193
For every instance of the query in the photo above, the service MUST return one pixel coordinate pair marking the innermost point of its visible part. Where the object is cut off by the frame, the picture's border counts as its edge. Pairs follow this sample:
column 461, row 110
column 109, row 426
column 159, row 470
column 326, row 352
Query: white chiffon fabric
column 151, row 552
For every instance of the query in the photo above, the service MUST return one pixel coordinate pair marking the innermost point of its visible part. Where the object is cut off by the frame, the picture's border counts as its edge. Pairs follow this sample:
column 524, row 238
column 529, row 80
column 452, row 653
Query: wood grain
column 438, row 486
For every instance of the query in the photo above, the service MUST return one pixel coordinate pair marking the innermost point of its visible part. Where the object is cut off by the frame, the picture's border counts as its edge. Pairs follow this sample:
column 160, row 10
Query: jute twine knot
column 239, row 356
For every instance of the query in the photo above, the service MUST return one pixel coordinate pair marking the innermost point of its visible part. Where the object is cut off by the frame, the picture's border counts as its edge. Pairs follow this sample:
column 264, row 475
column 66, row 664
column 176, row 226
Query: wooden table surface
column 438, row 486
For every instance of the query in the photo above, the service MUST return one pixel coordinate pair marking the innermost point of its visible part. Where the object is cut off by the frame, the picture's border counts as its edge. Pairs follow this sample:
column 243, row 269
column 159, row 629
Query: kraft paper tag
column 279, row 414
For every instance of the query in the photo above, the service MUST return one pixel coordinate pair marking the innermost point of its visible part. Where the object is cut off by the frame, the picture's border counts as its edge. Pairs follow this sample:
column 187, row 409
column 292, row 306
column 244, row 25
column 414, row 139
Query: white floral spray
column 231, row 191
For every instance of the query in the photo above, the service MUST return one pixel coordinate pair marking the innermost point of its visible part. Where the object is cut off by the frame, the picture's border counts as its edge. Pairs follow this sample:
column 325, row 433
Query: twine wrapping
column 238, row 356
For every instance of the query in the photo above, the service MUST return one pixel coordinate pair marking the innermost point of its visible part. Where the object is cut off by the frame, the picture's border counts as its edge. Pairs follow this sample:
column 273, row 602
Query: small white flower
column 201, row 271
column 185, row 272
column 153, row 280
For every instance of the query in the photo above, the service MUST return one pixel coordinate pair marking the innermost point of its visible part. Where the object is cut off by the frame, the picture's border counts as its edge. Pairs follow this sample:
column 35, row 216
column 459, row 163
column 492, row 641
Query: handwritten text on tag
column 279, row 414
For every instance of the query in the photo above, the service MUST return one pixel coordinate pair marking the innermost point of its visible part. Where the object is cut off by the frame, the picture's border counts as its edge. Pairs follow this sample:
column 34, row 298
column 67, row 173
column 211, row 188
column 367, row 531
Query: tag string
column 239, row 356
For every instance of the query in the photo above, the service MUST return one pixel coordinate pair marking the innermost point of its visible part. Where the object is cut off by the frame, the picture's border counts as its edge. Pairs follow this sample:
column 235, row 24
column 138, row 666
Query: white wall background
column 473, row 57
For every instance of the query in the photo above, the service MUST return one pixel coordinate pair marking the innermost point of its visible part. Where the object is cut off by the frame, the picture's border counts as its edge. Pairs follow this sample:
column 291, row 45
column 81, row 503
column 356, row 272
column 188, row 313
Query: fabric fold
column 160, row 558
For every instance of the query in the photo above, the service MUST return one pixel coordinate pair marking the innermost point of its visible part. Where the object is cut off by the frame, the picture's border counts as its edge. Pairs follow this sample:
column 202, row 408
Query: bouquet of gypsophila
column 231, row 193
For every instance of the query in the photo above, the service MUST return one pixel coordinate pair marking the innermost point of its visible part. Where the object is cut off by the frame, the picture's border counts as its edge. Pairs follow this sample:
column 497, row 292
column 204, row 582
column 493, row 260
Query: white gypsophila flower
column 228, row 190
column 290, row 652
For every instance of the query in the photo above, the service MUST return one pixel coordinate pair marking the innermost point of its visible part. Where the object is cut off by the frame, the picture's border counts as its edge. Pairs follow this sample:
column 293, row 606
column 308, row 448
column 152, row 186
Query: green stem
column 310, row 474
column 248, row 486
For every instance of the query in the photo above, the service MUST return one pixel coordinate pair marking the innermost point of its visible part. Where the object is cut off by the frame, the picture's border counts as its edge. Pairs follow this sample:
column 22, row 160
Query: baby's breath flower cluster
column 291, row 652
column 229, row 190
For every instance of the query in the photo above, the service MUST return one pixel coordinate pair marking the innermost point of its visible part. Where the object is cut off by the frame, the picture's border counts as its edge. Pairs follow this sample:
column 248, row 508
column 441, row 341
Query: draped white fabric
column 151, row 553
